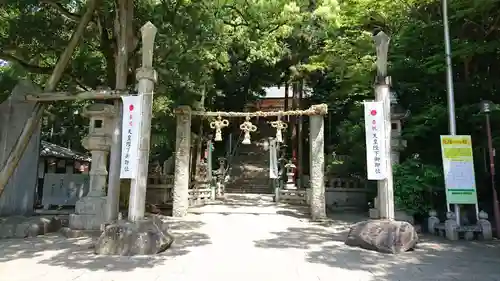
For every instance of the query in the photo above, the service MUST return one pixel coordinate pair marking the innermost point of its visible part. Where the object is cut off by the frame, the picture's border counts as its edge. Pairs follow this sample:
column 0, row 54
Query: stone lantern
column 398, row 114
column 98, row 142
column 221, row 174
column 90, row 210
column 222, row 166
column 290, row 183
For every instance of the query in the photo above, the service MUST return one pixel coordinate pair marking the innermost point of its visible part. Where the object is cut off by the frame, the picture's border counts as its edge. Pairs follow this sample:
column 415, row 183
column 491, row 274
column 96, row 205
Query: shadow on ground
column 77, row 253
column 434, row 259
column 308, row 237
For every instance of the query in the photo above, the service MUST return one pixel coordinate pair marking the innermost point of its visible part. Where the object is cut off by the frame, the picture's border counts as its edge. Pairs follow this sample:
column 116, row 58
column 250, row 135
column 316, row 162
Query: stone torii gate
column 316, row 149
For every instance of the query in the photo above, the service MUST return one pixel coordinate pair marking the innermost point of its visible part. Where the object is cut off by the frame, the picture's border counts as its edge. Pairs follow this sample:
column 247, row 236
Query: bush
column 414, row 185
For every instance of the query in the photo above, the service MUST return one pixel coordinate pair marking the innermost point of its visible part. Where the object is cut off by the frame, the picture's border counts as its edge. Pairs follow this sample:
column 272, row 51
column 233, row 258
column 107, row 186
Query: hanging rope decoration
column 218, row 124
column 318, row 109
column 280, row 126
column 247, row 127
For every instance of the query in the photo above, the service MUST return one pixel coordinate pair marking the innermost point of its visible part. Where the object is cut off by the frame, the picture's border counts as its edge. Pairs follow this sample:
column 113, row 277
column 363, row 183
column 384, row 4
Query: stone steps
column 251, row 180
column 250, row 166
column 252, row 189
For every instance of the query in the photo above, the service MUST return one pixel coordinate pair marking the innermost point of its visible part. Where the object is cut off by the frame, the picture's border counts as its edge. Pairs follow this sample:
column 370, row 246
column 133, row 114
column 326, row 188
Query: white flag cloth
column 130, row 136
column 273, row 160
column 376, row 160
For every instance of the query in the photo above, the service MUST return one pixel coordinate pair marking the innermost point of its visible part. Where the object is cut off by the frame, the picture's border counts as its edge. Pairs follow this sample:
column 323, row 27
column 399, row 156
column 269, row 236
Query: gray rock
column 383, row 236
column 124, row 238
column 23, row 227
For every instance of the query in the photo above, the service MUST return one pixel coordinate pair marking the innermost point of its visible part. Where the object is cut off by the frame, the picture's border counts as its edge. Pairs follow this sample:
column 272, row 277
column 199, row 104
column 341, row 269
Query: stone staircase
column 250, row 165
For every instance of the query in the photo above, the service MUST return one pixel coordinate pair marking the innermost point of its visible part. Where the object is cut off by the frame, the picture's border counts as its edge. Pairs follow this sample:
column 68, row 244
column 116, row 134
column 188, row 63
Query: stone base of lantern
column 89, row 214
column 295, row 196
column 374, row 213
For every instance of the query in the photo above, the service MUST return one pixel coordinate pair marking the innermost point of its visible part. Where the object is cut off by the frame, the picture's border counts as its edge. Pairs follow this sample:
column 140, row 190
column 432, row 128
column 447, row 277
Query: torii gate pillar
column 182, row 163
column 317, row 165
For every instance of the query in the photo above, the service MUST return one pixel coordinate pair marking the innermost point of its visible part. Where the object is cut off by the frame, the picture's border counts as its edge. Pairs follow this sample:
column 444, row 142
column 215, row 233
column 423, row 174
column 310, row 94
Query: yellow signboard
column 458, row 167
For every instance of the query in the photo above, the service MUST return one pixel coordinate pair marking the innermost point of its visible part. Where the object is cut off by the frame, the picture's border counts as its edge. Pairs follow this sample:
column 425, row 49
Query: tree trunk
column 287, row 138
column 121, row 70
column 199, row 105
column 34, row 121
column 293, row 122
column 300, row 139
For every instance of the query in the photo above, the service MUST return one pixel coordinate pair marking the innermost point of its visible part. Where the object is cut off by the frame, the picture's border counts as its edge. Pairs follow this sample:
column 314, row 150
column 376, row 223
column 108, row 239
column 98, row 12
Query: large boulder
column 385, row 236
column 124, row 238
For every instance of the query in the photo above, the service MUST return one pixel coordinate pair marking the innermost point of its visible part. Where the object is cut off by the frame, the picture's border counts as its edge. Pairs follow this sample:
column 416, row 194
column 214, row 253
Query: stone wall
column 19, row 194
column 346, row 194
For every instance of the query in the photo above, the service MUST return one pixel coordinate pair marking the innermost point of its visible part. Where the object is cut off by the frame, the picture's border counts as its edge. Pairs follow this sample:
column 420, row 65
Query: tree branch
column 234, row 25
column 25, row 65
column 31, row 68
column 63, row 11
column 237, row 11
column 493, row 27
column 107, row 47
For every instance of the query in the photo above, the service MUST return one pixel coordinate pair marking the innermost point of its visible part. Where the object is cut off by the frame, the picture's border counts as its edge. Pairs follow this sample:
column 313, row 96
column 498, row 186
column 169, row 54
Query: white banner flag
column 375, row 141
column 130, row 136
column 273, row 160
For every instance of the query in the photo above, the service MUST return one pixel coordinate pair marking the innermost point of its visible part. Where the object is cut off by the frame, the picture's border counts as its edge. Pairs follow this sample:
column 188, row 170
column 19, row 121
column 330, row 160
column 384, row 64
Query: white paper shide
column 130, row 136
column 375, row 138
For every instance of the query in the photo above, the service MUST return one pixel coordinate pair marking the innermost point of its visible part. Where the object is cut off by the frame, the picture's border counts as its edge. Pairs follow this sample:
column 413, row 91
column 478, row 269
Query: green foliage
column 337, row 165
column 414, row 185
column 227, row 50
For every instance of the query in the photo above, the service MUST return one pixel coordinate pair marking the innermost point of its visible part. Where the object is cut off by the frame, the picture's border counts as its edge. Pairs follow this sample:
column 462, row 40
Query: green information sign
column 458, row 167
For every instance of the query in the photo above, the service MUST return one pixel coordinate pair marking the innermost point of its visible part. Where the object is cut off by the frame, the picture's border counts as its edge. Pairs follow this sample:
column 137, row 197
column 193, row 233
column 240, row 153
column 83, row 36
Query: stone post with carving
column 397, row 145
column 90, row 210
column 139, row 235
column 146, row 77
column 182, row 162
column 317, row 162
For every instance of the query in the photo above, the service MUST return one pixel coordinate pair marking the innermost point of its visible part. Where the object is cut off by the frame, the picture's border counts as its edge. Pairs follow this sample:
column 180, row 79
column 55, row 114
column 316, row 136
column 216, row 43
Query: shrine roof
column 48, row 149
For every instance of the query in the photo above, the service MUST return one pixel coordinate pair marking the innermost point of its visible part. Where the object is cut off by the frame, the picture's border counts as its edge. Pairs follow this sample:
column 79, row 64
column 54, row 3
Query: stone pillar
column 18, row 196
column 374, row 212
column 210, row 168
column 317, row 170
column 397, row 145
column 450, row 226
column 221, row 177
column 432, row 222
column 485, row 226
column 90, row 210
column 182, row 162
column 146, row 77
